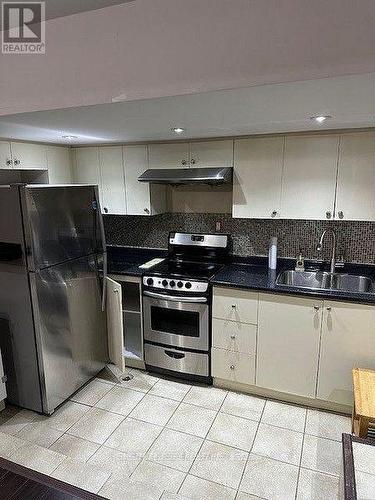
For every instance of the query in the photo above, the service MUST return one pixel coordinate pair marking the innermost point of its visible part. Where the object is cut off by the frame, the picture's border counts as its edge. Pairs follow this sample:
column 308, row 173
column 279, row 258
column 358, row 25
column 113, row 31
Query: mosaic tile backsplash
column 355, row 240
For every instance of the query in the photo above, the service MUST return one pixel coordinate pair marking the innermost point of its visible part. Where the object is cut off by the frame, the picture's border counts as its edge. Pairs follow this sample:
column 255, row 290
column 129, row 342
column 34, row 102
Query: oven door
column 176, row 321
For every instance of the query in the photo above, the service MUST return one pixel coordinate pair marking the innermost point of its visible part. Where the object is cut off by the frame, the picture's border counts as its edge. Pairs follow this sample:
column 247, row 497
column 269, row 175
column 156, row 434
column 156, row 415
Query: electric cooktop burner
column 184, row 269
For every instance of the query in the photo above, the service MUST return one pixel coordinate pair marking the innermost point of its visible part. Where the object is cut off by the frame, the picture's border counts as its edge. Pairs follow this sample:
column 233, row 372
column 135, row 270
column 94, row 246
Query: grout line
column 252, row 446
column 203, row 441
column 300, row 458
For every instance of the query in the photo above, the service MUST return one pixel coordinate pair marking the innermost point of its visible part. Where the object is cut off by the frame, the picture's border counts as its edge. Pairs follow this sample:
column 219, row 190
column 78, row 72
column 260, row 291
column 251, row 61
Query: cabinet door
column 5, row 155
column 112, row 180
column 115, row 328
column 258, row 164
column 211, row 154
column 142, row 198
column 348, row 341
column 288, row 344
column 86, row 169
column 29, row 156
column 169, row 155
column 309, row 177
column 231, row 304
column 356, row 177
column 59, row 165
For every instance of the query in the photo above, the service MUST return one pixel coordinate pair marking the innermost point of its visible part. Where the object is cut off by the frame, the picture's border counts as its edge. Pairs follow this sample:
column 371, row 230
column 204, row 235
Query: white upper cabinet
column 348, row 341
column 113, row 198
column 5, row 155
column 28, row 156
column 59, row 165
column 142, row 198
column 87, row 168
column 171, row 155
column 258, row 165
column 211, row 154
column 288, row 344
column 356, row 177
column 309, row 177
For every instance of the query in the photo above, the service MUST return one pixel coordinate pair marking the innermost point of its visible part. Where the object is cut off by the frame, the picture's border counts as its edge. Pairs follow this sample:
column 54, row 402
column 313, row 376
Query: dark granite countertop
column 126, row 260
column 253, row 274
column 249, row 273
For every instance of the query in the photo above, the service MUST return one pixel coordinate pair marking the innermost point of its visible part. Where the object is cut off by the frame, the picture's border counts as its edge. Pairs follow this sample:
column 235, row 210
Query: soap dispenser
column 300, row 263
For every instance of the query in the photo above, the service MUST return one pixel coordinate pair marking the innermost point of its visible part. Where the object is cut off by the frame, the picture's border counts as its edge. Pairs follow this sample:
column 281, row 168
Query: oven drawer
column 178, row 361
column 233, row 366
column 235, row 305
column 234, row 336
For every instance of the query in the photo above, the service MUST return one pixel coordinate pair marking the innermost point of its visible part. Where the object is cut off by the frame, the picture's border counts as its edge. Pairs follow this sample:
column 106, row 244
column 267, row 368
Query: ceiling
column 286, row 107
column 62, row 8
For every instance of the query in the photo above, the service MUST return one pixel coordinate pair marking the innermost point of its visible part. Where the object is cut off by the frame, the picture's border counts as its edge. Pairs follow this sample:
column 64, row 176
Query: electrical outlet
column 218, row 226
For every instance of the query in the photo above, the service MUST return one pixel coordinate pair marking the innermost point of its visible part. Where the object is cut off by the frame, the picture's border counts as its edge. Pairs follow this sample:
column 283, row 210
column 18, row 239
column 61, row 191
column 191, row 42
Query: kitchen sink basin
column 321, row 280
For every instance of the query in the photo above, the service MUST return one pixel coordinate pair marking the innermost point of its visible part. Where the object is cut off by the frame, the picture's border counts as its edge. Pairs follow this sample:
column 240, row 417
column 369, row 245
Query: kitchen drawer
column 233, row 366
column 193, row 363
column 235, row 305
column 234, row 336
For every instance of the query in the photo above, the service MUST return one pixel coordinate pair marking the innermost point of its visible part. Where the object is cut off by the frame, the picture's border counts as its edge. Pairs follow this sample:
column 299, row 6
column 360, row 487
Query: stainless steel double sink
column 321, row 280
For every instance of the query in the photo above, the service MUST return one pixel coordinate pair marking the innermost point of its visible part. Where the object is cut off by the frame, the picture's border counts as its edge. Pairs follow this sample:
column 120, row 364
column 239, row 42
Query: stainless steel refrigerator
column 52, row 325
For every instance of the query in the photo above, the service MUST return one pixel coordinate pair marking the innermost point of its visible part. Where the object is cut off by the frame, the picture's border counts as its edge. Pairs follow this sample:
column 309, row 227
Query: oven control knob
column 180, row 284
column 172, row 283
column 188, row 285
column 164, row 283
column 150, row 281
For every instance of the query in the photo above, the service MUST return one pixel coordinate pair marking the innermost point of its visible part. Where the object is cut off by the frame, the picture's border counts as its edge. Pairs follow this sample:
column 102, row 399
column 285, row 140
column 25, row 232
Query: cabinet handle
column 341, row 214
column 233, row 306
column 316, row 308
column 105, row 210
column 232, row 336
column 183, row 162
column 17, row 162
column 146, row 210
column 274, row 213
column 232, row 367
column 329, row 308
column 192, row 161
column 9, row 162
column 328, row 214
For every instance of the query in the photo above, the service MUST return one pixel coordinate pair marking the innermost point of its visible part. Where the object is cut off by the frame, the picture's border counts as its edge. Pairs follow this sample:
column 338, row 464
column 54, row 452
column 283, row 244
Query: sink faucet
column 320, row 244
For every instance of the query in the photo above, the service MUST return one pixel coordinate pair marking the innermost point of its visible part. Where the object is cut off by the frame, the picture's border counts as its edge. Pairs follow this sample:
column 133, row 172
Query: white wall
column 153, row 48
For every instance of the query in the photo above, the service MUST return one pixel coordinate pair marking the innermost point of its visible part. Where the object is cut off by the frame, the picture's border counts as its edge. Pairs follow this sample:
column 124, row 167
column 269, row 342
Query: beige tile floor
column 152, row 439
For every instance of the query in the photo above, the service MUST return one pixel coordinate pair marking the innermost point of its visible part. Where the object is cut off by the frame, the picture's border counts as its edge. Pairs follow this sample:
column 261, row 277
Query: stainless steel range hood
column 212, row 175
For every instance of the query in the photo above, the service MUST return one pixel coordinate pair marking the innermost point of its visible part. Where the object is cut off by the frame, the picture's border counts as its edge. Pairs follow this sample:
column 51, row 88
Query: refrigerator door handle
column 105, row 275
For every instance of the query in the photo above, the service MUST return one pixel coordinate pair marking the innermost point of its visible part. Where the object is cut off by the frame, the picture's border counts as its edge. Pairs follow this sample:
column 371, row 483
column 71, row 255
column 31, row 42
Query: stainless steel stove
column 177, row 305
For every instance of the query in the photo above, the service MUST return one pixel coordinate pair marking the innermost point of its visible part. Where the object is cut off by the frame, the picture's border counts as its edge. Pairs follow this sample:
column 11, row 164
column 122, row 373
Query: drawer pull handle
column 232, row 336
column 329, row 308
column 316, row 308
column 175, row 355
column 232, row 367
column 233, row 306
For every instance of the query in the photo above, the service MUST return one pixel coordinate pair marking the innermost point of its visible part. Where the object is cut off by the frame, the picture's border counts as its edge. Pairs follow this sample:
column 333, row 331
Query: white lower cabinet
column 348, row 341
column 233, row 366
column 124, row 321
column 234, row 336
column 288, row 344
column 235, row 305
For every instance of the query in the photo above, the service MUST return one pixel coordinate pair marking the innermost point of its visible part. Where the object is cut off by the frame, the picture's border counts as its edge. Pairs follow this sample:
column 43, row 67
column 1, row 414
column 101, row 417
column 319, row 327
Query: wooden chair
column 364, row 402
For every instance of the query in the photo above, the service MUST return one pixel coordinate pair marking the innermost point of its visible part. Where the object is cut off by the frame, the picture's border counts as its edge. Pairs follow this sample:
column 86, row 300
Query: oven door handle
column 171, row 298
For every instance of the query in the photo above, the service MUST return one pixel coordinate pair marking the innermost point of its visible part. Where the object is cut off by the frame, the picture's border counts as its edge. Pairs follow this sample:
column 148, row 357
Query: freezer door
column 70, row 327
column 61, row 223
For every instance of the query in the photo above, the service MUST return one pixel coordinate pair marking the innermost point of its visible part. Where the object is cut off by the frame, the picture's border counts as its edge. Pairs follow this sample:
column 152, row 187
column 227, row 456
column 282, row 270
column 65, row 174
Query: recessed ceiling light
column 178, row 130
column 320, row 118
column 69, row 137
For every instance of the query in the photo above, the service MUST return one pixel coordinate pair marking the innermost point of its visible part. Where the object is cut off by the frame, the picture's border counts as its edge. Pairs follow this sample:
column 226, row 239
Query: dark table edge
column 350, row 489
column 43, row 479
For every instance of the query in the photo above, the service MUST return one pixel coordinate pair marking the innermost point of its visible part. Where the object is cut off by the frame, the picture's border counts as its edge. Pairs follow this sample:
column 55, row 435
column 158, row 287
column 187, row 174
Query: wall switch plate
column 218, row 226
